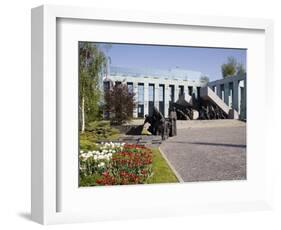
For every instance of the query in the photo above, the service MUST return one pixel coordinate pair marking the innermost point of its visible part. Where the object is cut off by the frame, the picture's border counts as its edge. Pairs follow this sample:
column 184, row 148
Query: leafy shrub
column 88, row 141
column 97, row 131
column 102, row 130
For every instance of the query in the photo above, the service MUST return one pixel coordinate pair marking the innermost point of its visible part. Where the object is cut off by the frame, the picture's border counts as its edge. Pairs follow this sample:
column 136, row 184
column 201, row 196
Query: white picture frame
column 45, row 167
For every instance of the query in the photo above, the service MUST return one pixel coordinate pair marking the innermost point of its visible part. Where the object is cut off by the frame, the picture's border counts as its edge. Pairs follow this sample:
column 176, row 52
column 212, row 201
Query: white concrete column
column 156, row 95
column 187, row 97
column 216, row 89
column 166, row 88
column 194, row 90
column 186, row 92
column 145, row 98
column 222, row 92
column 242, row 99
column 240, row 85
column 135, row 90
column 176, row 93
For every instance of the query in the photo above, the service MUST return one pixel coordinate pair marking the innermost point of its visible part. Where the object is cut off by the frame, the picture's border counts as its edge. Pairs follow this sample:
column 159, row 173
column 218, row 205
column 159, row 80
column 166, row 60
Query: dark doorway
column 140, row 100
column 181, row 91
column 162, row 99
column 171, row 94
column 140, row 111
column 151, row 98
column 190, row 90
column 198, row 92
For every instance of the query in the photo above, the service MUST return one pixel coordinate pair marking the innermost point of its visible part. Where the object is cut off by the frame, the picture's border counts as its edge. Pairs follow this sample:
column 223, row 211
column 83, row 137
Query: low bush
column 97, row 131
column 102, row 130
column 87, row 141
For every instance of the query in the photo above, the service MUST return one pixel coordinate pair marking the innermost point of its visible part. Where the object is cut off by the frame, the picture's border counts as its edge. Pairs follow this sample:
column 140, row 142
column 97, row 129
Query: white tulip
column 102, row 164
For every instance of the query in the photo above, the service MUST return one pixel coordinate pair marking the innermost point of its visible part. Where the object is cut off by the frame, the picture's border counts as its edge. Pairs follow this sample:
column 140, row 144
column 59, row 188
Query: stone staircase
column 207, row 93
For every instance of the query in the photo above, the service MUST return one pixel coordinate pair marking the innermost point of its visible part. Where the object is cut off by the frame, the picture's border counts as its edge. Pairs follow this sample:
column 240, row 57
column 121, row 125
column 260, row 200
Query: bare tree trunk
column 83, row 115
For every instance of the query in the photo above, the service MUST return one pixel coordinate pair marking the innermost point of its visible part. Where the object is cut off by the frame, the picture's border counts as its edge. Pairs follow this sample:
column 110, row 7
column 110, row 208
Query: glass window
column 222, row 92
column 181, row 90
column 130, row 87
column 140, row 93
column 151, row 92
column 198, row 92
column 161, row 93
column 190, row 90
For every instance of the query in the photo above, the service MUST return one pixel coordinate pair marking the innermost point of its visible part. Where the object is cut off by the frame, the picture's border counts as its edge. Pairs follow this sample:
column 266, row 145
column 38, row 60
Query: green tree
column 92, row 65
column 119, row 102
column 229, row 68
column 232, row 67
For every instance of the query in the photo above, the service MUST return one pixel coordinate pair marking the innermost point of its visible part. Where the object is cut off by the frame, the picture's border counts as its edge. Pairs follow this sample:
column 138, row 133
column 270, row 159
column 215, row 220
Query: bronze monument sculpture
column 159, row 125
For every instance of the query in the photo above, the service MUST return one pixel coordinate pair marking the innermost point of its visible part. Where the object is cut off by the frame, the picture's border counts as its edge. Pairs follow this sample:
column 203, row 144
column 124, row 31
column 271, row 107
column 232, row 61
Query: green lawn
column 162, row 173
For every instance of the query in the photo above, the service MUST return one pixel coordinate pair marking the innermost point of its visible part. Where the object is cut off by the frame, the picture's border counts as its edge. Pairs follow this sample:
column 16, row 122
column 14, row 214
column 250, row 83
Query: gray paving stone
column 208, row 154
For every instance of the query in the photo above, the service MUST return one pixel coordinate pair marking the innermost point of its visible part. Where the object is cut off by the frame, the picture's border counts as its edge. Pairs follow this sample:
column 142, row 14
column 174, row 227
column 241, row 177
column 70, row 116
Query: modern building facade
column 232, row 90
column 156, row 88
column 159, row 88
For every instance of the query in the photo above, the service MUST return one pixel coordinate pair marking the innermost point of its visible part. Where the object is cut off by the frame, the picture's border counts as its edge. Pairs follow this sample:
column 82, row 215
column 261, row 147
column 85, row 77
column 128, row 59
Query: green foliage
column 97, row 131
column 92, row 126
column 232, row 67
column 119, row 102
column 92, row 64
column 102, row 130
column 229, row 68
column 87, row 141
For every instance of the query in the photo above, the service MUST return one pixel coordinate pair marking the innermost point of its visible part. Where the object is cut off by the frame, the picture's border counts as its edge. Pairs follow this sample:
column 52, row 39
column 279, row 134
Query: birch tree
column 92, row 65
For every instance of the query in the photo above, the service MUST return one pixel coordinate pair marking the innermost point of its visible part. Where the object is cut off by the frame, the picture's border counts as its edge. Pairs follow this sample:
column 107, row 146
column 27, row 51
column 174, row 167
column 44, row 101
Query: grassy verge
column 162, row 173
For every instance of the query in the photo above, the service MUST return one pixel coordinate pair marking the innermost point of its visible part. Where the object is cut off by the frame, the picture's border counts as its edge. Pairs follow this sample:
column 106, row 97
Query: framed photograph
column 140, row 114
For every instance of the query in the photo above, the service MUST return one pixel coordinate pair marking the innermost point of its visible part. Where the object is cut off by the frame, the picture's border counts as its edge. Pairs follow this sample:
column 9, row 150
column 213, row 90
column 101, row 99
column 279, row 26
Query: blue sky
column 205, row 60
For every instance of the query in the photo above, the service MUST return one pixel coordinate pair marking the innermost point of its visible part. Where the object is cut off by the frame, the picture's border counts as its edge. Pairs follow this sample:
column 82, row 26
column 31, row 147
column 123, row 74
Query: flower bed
column 116, row 164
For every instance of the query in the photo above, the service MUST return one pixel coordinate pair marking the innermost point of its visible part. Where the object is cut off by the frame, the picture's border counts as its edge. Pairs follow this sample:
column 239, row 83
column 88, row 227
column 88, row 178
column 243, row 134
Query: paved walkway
column 208, row 152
